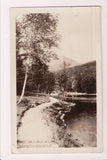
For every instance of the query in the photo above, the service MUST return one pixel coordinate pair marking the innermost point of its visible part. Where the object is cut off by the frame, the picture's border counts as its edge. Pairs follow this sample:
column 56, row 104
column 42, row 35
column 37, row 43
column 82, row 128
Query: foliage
column 36, row 40
column 81, row 78
column 62, row 78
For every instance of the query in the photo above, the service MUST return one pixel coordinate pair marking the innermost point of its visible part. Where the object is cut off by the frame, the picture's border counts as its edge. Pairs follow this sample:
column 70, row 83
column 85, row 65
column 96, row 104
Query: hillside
column 81, row 78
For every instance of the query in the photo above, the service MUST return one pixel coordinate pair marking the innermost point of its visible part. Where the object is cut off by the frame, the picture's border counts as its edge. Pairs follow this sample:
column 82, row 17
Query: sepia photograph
column 56, row 80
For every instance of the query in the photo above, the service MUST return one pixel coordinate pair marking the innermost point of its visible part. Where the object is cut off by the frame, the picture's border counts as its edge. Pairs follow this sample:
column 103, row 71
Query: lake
column 81, row 123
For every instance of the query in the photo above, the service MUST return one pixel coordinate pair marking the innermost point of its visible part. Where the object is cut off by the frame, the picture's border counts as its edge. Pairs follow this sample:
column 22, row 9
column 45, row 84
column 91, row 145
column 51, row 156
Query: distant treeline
column 80, row 78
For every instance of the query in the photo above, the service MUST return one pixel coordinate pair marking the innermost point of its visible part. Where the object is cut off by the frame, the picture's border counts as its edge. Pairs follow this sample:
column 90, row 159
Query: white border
column 5, row 76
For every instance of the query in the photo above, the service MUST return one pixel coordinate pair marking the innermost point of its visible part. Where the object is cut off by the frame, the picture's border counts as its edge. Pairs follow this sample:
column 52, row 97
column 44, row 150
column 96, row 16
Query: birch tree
column 36, row 40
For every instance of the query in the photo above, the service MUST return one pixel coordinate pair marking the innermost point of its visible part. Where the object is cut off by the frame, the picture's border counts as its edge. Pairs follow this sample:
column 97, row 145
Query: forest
column 81, row 78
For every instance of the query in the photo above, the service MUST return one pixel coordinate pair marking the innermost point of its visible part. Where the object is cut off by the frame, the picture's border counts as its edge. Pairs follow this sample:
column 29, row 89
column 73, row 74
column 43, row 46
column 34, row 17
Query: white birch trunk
column 23, row 90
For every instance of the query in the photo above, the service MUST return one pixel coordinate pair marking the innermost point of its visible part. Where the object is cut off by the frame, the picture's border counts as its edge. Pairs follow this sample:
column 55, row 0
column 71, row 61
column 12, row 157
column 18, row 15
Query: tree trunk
column 23, row 90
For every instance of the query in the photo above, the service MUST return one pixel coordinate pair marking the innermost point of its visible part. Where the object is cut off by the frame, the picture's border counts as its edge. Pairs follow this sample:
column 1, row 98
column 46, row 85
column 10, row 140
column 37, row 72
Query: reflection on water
column 81, row 122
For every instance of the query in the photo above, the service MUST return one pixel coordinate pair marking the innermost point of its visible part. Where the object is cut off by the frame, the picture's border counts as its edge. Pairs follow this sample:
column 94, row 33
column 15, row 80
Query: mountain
column 56, row 65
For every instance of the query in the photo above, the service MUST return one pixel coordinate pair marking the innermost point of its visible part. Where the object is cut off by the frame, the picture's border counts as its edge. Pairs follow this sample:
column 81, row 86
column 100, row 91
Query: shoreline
column 54, row 115
column 57, row 115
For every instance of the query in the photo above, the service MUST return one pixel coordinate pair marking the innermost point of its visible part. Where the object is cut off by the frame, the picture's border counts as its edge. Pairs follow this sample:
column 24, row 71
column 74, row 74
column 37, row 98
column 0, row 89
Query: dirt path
column 34, row 129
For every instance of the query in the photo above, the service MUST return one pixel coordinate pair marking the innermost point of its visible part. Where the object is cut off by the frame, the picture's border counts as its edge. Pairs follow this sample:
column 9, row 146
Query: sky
column 79, row 28
column 80, row 32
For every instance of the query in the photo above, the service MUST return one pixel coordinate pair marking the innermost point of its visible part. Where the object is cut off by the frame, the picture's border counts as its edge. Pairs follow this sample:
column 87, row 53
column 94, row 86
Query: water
column 81, row 123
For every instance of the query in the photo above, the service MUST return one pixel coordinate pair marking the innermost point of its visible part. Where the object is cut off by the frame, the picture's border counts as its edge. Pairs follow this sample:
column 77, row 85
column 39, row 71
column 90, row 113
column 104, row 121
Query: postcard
column 56, row 92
